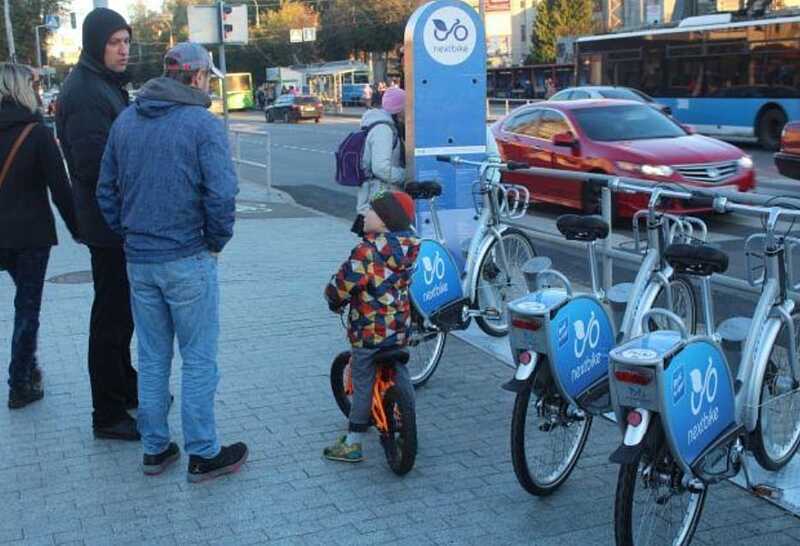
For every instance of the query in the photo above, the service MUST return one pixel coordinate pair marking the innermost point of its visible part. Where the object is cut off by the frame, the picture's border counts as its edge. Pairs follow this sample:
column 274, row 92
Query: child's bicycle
column 392, row 412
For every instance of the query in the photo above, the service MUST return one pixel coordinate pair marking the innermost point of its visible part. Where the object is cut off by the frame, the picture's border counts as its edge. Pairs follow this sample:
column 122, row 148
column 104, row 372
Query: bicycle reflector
column 633, row 377
column 634, row 418
column 527, row 324
column 524, row 357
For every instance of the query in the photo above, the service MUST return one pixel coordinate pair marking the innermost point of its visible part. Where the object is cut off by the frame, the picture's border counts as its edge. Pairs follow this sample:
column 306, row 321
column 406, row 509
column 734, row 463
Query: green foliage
column 25, row 16
column 557, row 19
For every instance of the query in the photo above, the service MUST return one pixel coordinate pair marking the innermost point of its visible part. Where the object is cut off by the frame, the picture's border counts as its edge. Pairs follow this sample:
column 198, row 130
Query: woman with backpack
column 384, row 151
column 31, row 164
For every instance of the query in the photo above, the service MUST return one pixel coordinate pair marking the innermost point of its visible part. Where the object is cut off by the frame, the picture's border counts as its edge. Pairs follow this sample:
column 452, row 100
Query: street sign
column 52, row 22
column 309, row 34
column 296, row 35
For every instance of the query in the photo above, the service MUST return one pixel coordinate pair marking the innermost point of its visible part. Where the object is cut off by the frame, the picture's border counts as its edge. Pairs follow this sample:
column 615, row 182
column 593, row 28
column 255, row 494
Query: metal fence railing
column 259, row 143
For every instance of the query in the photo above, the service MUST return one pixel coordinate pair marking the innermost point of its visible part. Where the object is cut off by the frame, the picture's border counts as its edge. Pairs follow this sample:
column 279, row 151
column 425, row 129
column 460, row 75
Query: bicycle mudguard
column 436, row 280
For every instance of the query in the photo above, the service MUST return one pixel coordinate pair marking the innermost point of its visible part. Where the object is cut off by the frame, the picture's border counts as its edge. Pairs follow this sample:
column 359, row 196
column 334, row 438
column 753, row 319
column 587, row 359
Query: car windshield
column 625, row 122
column 625, row 94
column 306, row 100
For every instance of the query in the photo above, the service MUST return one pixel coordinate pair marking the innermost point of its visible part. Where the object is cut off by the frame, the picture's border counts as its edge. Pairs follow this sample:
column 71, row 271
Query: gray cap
column 189, row 57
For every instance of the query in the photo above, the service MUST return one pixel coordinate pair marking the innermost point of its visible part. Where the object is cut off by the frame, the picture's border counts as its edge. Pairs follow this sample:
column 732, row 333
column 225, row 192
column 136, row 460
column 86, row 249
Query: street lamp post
column 38, row 46
column 258, row 21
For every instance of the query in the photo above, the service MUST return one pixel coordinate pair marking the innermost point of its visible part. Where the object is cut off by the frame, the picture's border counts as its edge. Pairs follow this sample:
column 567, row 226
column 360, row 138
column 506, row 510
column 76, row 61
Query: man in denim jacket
column 168, row 186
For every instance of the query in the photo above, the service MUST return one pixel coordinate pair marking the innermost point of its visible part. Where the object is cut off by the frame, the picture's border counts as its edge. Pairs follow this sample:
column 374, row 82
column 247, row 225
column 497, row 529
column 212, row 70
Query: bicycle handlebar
column 507, row 166
column 724, row 204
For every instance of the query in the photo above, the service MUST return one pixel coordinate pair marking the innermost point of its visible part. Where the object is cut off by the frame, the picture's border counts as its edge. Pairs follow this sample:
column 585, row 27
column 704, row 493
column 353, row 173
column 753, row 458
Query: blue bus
column 727, row 77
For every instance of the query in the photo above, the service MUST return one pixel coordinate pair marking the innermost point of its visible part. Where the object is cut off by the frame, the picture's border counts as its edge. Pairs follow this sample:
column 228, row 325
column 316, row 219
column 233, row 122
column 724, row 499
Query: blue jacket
column 167, row 182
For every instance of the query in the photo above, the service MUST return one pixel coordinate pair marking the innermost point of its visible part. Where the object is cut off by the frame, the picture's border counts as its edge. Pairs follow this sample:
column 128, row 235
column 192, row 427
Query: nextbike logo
column 704, row 387
column 704, row 392
column 562, row 332
column 433, row 270
column 450, row 36
column 586, row 334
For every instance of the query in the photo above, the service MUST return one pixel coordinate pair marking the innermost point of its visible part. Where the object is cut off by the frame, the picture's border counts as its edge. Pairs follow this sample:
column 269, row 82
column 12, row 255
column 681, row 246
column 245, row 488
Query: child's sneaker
column 341, row 451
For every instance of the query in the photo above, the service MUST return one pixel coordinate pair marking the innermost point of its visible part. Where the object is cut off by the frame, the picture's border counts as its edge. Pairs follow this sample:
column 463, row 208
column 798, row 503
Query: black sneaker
column 153, row 465
column 19, row 397
column 125, row 429
column 229, row 460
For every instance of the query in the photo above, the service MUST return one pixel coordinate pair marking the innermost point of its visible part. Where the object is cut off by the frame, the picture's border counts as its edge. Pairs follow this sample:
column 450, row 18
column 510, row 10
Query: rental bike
column 688, row 417
column 560, row 340
column 445, row 298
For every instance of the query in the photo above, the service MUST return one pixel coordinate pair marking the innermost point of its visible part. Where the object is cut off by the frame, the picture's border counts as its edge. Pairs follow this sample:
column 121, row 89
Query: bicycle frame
column 384, row 380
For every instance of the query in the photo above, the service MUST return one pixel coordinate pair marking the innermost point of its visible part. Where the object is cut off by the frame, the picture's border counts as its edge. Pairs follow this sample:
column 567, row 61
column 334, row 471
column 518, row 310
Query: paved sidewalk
column 60, row 486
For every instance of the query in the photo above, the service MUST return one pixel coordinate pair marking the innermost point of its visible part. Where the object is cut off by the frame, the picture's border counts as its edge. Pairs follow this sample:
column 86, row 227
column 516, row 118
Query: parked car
column 293, row 108
column 622, row 138
column 609, row 92
column 788, row 159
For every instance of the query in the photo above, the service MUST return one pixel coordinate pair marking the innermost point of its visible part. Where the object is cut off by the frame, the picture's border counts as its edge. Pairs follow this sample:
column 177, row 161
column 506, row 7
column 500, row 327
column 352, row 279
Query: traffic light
column 227, row 28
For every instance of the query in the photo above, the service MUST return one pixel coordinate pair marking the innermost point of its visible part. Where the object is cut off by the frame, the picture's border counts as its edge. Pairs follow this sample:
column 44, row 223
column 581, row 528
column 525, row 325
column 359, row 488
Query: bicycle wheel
column 400, row 441
column 496, row 287
column 651, row 507
column 684, row 304
column 340, row 374
column 425, row 348
column 777, row 433
column 546, row 444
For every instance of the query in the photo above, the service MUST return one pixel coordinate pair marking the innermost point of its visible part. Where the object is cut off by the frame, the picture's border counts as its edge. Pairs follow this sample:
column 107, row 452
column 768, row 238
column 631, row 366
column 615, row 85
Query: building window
column 523, row 29
column 523, row 4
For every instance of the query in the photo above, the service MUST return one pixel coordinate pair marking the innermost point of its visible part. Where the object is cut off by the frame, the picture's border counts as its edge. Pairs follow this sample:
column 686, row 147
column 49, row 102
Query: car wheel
column 770, row 127
column 316, row 120
column 286, row 117
column 269, row 117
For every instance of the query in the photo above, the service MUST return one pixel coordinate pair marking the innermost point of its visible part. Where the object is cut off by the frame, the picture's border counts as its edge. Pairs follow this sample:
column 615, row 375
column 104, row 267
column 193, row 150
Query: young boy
column 374, row 281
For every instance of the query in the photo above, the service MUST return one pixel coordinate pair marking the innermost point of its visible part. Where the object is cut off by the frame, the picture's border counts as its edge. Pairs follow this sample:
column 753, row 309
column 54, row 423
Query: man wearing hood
column 168, row 187
column 91, row 99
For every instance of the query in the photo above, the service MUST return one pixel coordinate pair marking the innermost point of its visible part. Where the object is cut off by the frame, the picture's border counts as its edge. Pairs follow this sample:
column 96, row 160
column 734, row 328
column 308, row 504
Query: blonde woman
column 30, row 164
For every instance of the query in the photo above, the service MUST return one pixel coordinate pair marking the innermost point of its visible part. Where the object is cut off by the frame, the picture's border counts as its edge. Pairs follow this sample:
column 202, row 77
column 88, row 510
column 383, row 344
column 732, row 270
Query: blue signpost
column 445, row 78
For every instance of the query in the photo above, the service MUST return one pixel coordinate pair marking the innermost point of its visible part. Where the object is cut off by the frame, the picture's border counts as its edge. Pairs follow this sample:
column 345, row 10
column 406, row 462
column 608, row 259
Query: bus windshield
column 625, row 122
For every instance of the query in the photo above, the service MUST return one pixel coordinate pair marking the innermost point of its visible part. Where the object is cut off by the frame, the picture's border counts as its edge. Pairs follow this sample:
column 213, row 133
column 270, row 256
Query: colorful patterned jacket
column 374, row 281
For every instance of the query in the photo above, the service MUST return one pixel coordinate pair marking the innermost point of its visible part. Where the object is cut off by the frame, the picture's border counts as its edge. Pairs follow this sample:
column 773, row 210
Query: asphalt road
column 303, row 165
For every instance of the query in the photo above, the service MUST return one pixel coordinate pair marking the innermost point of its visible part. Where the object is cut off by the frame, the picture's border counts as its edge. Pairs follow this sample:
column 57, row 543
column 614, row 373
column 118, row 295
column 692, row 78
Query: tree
column 25, row 16
column 355, row 27
column 557, row 19
column 152, row 33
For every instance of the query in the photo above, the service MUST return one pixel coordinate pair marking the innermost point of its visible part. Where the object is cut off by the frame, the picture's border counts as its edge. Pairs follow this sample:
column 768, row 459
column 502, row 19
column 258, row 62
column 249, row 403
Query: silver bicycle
column 445, row 297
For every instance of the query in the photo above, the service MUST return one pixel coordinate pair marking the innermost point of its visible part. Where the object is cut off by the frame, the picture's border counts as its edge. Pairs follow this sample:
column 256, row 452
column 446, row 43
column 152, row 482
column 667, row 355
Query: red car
column 788, row 159
column 617, row 137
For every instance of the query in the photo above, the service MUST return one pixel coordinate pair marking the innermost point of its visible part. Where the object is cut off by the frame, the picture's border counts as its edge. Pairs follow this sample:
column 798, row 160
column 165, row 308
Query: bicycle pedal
column 766, row 491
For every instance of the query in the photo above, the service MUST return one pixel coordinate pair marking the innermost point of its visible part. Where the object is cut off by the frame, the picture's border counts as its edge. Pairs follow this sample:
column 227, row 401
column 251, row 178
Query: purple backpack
column 348, row 157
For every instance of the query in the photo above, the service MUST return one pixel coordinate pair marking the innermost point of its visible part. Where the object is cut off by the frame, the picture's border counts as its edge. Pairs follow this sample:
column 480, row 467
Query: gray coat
column 382, row 158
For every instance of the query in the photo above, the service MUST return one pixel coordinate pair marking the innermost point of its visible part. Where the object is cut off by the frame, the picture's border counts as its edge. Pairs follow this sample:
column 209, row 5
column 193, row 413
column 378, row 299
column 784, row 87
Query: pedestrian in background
column 168, row 187
column 32, row 165
column 92, row 97
column 383, row 151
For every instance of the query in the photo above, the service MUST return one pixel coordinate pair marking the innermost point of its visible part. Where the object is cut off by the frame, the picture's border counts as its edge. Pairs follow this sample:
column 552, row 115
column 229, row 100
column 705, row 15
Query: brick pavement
column 60, row 486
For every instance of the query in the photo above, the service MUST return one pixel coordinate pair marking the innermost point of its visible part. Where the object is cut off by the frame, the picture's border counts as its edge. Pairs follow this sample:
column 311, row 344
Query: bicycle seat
column 392, row 357
column 582, row 228
column 423, row 190
column 702, row 260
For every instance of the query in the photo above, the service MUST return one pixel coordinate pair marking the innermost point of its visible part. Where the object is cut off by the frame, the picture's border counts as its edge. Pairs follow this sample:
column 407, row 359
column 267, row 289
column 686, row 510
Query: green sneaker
column 340, row 451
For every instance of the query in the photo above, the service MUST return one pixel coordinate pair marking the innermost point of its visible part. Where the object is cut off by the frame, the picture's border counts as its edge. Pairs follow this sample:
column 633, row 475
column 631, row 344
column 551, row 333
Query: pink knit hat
column 394, row 100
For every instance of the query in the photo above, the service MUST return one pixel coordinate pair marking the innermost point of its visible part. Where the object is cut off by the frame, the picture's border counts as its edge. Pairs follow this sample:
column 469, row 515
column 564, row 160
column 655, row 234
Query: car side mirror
column 565, row 139
column 689, row 129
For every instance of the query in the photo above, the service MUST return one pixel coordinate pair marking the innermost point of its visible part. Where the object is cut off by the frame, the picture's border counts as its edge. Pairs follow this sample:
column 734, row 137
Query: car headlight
column 648, row 170
column 745, row 162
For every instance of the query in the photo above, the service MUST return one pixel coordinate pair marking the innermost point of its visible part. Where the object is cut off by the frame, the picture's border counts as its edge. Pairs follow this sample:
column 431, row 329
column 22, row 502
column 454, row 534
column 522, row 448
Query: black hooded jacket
column 90, row 101
column 26, row 219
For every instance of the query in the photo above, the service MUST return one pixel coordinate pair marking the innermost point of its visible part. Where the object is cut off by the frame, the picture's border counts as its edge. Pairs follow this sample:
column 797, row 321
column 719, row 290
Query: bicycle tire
column 527, row 479
column 624, row 526
column 488, row 270
column 400, row 450
column 425, row 347
column 774, row 372
column 679, row 284
column 338, row 369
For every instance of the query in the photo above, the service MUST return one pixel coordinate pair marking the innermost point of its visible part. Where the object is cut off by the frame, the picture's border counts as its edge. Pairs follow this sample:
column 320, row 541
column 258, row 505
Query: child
column 374, row 281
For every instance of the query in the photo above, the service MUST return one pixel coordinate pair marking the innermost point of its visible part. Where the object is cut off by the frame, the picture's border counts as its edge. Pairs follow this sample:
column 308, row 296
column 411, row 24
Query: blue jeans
column 178, row 298
column 27, row 267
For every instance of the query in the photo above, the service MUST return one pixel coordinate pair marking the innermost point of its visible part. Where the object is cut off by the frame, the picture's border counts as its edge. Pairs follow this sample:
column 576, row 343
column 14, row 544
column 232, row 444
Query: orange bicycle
column 392, row 411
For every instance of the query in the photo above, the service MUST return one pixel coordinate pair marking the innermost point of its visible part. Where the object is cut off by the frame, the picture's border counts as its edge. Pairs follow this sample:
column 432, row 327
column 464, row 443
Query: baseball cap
column 189, row 57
